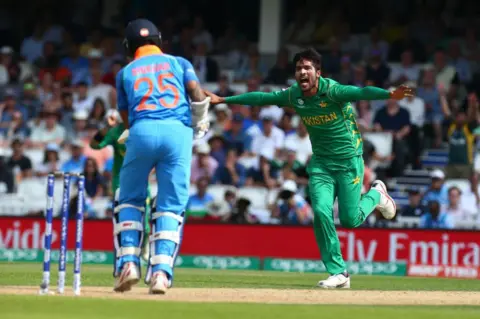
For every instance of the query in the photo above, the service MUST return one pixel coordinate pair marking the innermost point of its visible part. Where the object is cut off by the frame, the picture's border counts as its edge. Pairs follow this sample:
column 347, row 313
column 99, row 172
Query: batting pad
column 128, row 234
column 167, row 233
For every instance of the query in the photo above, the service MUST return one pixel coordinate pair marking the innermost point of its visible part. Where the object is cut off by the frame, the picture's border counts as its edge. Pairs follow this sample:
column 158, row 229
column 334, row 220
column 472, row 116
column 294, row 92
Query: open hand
column 401, row 92
column 215, row 99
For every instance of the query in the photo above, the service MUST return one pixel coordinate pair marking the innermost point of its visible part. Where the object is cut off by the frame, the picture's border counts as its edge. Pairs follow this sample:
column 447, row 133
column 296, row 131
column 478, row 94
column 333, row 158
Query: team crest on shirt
column 323, row 104
column 144, row 32
column 300, row 103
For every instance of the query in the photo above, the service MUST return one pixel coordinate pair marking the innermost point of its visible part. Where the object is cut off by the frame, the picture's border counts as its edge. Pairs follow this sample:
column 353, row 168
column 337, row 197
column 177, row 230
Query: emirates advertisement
column 415, row 247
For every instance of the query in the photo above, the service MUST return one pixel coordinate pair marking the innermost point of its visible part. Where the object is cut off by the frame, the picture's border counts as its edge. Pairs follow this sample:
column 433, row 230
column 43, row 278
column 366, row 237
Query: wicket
column 64, row 233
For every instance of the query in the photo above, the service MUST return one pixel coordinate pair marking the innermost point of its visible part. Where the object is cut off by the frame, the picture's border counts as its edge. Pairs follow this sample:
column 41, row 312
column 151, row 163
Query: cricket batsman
column 108, row 135
column 336, row 168
column 152, row 97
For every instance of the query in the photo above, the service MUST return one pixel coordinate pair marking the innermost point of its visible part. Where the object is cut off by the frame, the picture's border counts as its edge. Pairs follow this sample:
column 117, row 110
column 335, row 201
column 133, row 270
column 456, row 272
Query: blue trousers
column 167, row 147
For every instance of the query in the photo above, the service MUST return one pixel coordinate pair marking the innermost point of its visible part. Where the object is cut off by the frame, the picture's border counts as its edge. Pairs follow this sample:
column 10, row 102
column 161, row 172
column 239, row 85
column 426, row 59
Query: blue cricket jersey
column 153, row 86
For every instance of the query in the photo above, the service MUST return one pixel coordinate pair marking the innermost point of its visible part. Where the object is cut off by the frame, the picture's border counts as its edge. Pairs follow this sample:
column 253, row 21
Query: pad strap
column 123, row 251
column 167, row 214
column 166, row 235
column 121, row 206
column 127, row 225
column 161, row 259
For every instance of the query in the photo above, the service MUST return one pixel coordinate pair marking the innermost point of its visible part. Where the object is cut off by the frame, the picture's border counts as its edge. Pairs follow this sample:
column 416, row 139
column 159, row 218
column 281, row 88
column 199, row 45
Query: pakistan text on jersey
column 152, row 68
column 319, row 119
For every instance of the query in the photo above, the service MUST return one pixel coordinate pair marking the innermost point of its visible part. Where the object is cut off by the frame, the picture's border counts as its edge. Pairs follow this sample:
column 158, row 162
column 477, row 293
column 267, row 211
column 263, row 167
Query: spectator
column 81, row 100
column 32, row 46
column 9, row 68
column 300, row 142
column 406, row 70
column 446, row 75
column 197, row 206
column 235, row 137
column 437, row 191
column 109, row 78
column 230, row 173
column 251, row 67
column 94, row 41
column 67, row 113
column 217, row 148
column 416, row 107
column 273, row 111
column 49, row 131
column 377, row 70
column 222, row 122
column 459, row 213
column 224, row 89
column 376, row 46
column 253, row 124
column 221, row 210
column 51, row 161
column 359, row 75
column 94, row 183
column 76, row 64
column 95, row 59
column 201, row 35
column 291, row 167
column 238, row 56
column 206, row 68
column 461, row 64
column 100, row 90
column 282, row 70
column 30, row 100
column 434, row 218
column 6, row 175
column 97, row 114
column 461, row 142
column 76, row 163
column 395, row 120
column 45, row 91
column 291, row 208
column 9, row 110
column 285, row 124
column 364, row 116
column 203, row 165
column 414, row 207
column 470, row 199
column 263, row 174
column 271, row 139
column 432, row 97
column 349, row 44
column 55, row 101
column 345, row 75
column 332, row 58
column 20, row 164
column 49, row 60
column 241, row 213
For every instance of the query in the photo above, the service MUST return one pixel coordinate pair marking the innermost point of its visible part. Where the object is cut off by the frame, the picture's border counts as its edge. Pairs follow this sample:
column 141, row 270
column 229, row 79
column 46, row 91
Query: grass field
column 235, row 294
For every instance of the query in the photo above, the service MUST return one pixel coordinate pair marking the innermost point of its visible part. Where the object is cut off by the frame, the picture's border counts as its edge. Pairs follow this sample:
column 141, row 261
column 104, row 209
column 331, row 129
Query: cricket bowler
column 336, row 168
column 108, row 135
column 153, row 94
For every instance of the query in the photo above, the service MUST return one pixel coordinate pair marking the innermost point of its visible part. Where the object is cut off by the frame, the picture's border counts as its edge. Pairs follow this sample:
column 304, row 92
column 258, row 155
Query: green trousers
column 342, row 179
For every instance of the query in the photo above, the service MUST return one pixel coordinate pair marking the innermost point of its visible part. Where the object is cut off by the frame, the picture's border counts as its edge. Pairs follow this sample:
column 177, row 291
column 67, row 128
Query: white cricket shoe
column 335, row 281
column 129, row 277
column 387, row 205
column 159, row 283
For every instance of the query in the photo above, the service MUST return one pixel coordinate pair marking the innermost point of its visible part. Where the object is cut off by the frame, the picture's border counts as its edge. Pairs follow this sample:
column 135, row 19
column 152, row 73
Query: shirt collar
column 146, row 50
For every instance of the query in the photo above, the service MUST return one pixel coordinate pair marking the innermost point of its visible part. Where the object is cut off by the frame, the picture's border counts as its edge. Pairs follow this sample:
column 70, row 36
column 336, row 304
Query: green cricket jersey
column 111, row 138
column 328, row 115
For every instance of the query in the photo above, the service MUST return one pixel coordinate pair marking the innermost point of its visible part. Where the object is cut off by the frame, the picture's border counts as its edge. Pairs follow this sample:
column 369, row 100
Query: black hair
column 310, row 55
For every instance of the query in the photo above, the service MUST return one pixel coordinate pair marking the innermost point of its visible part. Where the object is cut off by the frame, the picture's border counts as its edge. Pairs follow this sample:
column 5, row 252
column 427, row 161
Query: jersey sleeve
column 347, row 93
column 188, row 70
column 122, row 101
column 279, row 98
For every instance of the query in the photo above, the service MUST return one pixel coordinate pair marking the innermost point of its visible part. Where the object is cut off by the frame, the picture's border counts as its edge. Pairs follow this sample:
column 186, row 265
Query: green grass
column 51, row 307
column 39, row 307
column 30, row 274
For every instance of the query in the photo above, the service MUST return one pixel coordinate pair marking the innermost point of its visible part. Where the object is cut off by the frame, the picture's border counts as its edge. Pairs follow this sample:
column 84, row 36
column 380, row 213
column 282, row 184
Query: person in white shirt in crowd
column 79, row 127
column 405, row 71
column 51, row 161
column 6, row 55
column 290, row 207
column 81, row 100
column 203, row 164
column 101, row 90
column 272, row 138
column 457, row 209
column 222, row 118
column 206, row 68
column 415, row 106
column 470, row 200
column 272, row 111
column 300, row 142
column 48, row 131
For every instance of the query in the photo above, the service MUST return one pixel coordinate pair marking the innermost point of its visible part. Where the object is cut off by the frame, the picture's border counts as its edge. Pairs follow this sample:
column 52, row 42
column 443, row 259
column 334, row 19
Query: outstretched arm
column 347, row 93
column 280, row 98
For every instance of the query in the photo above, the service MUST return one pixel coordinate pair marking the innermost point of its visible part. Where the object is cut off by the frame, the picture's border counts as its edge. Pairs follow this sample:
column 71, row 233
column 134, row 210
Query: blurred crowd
column 57, row 87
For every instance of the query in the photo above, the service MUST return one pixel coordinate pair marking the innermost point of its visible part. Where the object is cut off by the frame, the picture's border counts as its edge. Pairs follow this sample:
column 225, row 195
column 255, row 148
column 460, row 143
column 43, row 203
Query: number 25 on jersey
column 162, row 87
